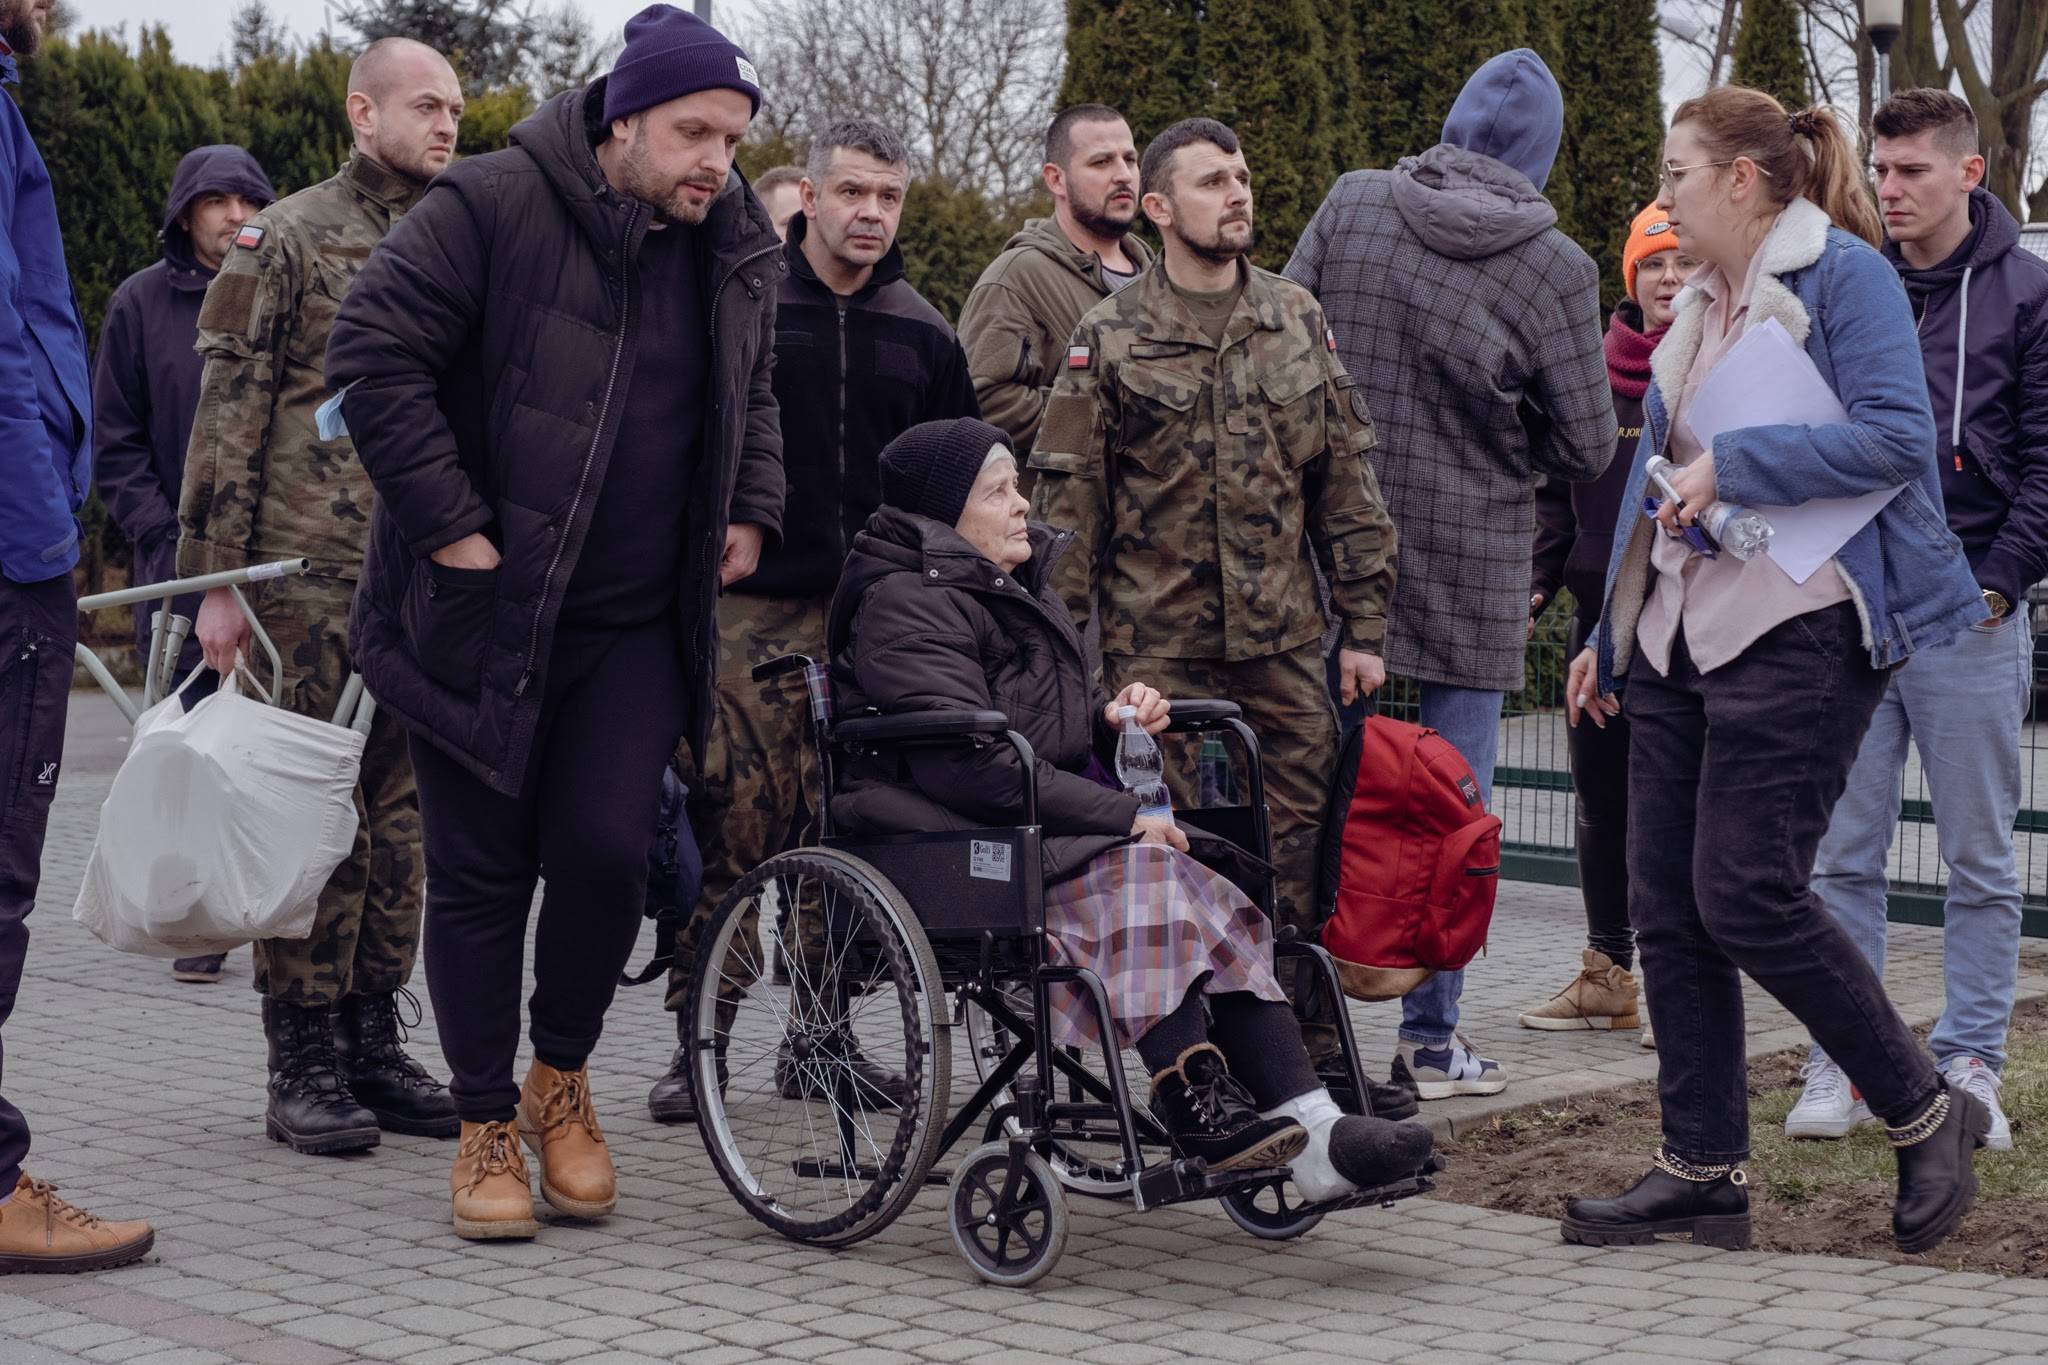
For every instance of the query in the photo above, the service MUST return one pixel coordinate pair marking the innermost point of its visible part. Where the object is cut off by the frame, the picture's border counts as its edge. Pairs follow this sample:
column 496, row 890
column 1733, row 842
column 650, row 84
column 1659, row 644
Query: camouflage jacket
column 1199, row 479
column 260, row 484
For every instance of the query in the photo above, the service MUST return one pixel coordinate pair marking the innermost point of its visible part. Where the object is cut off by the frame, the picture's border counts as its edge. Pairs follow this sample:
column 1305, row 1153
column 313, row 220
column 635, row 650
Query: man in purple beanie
column 556, row 372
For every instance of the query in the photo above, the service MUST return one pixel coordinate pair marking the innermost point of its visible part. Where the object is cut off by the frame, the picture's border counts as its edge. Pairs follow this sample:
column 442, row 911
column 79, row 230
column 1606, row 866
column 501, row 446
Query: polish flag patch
column 1078, row 357
column 1329, row 338
column 249, row 237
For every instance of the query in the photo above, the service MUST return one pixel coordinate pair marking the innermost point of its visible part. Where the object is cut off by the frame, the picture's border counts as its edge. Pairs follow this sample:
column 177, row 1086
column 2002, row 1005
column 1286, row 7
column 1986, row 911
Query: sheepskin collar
column 1794, row 242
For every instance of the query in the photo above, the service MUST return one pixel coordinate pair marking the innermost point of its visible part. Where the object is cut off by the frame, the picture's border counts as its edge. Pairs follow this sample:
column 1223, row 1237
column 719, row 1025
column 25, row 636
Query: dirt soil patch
column 1826, row 1198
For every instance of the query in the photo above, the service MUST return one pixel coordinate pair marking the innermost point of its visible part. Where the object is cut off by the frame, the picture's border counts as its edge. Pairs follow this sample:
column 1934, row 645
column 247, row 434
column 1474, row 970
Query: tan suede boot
column 490, row 1196
column 41, row 1234
column 1601, row 996
column 558, row 1122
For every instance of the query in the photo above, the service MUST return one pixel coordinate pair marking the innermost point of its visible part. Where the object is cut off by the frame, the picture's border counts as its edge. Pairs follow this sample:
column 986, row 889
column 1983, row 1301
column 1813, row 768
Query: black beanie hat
column 669, row 54
column 931, row 468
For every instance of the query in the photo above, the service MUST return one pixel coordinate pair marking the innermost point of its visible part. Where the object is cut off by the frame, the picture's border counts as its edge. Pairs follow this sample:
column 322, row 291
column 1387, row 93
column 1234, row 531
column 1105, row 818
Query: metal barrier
column 1533, row 790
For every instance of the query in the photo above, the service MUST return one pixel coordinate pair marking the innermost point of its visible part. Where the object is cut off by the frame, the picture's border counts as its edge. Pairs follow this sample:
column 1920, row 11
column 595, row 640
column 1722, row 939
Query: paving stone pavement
column 147, row 1099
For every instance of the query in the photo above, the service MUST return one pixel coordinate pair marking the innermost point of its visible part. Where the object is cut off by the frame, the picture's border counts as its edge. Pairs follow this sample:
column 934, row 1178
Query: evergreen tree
column 949, row 235
column 487, row 41
column 1138, row 57
column 1279, row 107
column 291, row 113
column 1418, row 55
column 1768, row 53
column 1614, row 125
column 1345, row 64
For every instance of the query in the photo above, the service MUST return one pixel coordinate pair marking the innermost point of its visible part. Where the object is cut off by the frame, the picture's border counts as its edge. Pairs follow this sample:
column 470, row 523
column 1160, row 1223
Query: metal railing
column 1532, row 790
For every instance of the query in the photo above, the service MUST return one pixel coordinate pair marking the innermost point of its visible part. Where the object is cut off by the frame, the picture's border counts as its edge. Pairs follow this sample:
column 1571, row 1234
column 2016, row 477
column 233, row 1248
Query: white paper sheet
column 1767, row 379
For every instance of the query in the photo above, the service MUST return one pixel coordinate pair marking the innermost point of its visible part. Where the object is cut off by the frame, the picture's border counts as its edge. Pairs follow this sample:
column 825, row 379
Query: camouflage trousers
column 758, row 777
column 1286, row 701
column 366, row 931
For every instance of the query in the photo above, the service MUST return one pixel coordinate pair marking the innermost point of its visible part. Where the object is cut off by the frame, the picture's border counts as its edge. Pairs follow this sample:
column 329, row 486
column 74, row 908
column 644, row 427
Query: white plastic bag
column 221, row 827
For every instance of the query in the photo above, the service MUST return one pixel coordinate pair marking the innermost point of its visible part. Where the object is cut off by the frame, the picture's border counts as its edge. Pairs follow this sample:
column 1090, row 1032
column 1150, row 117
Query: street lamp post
column 1882, row 20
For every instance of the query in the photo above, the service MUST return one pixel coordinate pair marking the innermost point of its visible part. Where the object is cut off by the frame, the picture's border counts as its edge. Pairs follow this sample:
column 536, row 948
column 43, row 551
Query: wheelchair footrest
column 1386, row 1196
column 1177, row 1181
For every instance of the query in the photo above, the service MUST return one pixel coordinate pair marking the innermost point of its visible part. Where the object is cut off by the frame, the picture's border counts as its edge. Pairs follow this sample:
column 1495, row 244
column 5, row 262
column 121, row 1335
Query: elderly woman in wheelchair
column 945, row 606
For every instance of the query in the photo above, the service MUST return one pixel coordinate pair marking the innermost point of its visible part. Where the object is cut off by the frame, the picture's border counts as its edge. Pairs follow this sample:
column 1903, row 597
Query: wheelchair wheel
column 1091, row 1168
column 1271, row 1212
column 1010, row 1241
column 821, row 1101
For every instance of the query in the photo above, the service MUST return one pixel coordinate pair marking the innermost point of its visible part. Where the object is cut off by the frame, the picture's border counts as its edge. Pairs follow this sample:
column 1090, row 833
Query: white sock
column 1314, row 1174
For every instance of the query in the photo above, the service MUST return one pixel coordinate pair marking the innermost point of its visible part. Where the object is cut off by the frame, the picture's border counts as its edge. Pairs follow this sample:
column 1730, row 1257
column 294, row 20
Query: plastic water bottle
column 1213, row 775
column 1142, row 768
column 1736, row 529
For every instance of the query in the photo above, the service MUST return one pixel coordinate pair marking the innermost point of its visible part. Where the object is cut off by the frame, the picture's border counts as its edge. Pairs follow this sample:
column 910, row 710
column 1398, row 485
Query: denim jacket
column 45, row 401
column 1840, row 299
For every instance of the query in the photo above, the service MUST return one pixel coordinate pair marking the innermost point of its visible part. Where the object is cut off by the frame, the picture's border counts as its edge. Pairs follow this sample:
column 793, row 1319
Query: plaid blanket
column 1153, row 923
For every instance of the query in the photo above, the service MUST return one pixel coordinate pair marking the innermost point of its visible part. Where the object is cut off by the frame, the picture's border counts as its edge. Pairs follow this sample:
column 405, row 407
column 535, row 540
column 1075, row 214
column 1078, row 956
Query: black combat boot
column 1211, row 1116
column 311, row 1108
column 1711, row 1203
column 1937, row 1168
column 674, row 1097
column 808, row 1067
column 368, row 1038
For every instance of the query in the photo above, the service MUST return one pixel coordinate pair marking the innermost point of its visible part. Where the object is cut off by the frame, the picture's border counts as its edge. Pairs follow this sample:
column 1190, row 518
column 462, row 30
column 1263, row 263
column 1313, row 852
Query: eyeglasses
column 1669, row 175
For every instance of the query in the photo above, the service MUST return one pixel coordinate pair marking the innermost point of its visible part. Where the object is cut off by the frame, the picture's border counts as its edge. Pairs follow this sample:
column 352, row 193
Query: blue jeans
column 1469, row 718
column 1963, row 704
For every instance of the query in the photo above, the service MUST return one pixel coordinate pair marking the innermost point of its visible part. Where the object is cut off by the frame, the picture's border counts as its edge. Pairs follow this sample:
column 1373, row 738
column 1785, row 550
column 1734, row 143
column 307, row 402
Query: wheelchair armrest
column 775, row 668
column 1200, row 713
column 913, row 727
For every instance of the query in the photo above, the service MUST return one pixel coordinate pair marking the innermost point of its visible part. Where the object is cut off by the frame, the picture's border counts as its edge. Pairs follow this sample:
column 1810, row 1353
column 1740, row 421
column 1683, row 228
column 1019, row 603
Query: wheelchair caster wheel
column 1272, row 1212
column 1015, row 1241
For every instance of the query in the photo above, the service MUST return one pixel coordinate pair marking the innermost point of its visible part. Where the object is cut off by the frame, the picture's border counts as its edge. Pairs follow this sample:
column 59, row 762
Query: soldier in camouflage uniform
column 1203, row 440
column 262, row 484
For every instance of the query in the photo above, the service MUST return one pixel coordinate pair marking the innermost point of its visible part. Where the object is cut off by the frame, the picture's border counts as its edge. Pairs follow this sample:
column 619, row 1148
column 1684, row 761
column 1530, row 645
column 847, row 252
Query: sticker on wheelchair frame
column 988, row 860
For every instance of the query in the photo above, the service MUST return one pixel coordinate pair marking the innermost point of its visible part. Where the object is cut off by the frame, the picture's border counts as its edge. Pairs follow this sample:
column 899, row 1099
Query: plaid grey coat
column 1472, row 325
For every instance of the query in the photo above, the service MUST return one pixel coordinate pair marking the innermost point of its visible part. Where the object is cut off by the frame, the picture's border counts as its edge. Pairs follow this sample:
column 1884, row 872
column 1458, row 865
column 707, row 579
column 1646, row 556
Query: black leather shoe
column 1388, row 1101
column 311, row 1109
column 368, row 1040
column 1210, row 1115
column 674, row 1097
column 201, row 969
column 1715, row 1213
column 1937, row 1173
column 808, row 1068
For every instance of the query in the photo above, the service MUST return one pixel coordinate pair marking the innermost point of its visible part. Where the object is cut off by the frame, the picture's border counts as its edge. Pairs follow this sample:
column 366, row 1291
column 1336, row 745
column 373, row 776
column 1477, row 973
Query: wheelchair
column 891, row 943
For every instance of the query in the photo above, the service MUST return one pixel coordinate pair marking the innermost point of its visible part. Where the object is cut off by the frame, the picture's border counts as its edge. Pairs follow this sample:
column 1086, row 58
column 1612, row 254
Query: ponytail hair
column 1806, row 153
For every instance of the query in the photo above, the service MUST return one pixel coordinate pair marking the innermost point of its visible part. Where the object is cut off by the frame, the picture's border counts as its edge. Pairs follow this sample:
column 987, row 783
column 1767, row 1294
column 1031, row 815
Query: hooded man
column 1472, row 325
column 145, row 388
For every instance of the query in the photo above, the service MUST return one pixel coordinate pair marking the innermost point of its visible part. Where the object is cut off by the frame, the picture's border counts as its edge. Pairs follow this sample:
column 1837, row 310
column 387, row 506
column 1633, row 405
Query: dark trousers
column 1599, row 760
column 38, row 631
column 1732, row 776
column 583, row 821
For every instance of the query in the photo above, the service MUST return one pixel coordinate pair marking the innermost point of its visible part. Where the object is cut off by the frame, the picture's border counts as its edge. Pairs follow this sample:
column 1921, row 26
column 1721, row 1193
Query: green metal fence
column 1532, row 790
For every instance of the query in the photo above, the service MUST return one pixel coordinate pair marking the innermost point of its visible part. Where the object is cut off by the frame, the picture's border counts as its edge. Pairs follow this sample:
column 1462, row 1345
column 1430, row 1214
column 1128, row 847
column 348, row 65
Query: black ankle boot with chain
column 1708, row 1203
column 1937, row 1171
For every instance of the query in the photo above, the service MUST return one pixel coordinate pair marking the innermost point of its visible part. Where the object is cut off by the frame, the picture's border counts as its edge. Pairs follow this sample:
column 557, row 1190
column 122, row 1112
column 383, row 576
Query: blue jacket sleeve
column 1888, row 440
column 38, row 535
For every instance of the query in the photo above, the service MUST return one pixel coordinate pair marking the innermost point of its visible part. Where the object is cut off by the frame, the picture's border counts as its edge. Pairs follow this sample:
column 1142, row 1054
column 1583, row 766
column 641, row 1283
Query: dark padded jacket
column 848, row 380
column 922, row 622
column 486, row 351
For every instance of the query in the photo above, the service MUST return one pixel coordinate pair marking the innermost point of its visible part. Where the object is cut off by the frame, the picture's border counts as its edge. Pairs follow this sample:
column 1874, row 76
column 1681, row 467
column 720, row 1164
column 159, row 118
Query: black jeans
column 1731, row 777
column 584, row 821
column 1599, row 759
column 38, row 631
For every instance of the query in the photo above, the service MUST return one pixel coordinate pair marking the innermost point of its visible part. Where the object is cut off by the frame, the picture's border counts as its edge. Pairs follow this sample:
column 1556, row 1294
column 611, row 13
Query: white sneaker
column 1437, row 1073
column 1829, row 1107
column 1970, row 1073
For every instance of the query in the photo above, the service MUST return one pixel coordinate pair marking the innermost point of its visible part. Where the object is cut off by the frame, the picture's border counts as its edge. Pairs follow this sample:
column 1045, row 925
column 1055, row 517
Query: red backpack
column 1409, row 861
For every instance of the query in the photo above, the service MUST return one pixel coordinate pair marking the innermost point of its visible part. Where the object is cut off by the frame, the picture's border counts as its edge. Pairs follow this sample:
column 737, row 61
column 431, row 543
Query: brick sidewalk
column 148, row 1098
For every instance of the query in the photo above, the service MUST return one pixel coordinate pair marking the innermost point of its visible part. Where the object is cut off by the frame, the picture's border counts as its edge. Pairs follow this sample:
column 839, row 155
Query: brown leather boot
column 558, row 1122
column 43, row 1234
column 489, row 1194
column 1601, row 996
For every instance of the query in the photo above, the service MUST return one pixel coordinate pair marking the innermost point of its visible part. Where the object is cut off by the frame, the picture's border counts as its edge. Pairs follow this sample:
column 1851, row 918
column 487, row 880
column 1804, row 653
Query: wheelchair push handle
column 1196, row 714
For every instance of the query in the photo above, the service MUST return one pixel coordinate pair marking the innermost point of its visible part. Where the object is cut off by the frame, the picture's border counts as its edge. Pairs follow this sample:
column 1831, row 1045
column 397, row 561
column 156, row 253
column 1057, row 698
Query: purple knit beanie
column 669, row 54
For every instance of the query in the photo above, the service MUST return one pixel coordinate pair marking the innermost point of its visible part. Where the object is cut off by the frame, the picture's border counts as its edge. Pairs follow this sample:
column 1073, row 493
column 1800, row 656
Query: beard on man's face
column 1222, row 245
column 1102, row 219
column 665, row 196
column 21, row 24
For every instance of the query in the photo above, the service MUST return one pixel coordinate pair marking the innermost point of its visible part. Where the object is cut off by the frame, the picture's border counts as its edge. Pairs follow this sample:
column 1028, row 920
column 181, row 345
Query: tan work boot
column 557, row 1121
column 489, row 1194
column 41, row 1234
column 1601, row 996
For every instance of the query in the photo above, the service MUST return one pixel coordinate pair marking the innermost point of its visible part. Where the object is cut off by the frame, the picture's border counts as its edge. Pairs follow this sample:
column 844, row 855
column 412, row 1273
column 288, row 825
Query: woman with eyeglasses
column 1748, row 691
